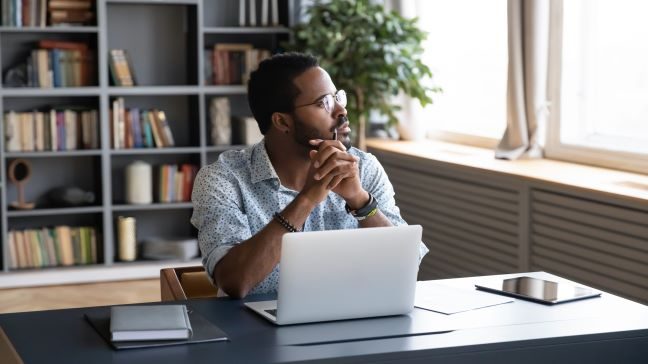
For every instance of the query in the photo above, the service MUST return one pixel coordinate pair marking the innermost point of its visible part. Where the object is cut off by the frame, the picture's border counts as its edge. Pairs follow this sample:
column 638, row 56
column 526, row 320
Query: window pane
column 467, row 52
column 604, row 92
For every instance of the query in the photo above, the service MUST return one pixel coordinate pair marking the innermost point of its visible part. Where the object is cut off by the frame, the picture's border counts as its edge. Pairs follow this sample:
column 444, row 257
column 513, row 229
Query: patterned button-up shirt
column 235, row 197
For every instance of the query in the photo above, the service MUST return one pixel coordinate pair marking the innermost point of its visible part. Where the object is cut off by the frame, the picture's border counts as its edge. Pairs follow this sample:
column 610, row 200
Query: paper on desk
column 448, row 300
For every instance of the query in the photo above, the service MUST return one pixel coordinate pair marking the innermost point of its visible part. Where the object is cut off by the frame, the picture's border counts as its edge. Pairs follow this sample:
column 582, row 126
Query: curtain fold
column 526, row 104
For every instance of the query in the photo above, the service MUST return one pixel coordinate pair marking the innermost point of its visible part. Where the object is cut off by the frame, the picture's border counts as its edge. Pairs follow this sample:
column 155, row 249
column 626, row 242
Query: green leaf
column 363, row 46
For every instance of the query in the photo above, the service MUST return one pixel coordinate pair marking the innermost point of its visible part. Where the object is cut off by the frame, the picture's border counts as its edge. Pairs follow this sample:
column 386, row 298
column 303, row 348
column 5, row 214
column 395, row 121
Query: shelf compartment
column 166, row 224
column 83, row 172
column 239, row 108
column 164, row 52
column 119, row 163
column 17, row 47
column 81, row 252
column 181, row 113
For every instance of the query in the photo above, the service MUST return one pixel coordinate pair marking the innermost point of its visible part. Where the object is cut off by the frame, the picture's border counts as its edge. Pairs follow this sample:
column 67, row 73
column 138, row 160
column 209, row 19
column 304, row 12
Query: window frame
column 442, row 135
column 554, row 147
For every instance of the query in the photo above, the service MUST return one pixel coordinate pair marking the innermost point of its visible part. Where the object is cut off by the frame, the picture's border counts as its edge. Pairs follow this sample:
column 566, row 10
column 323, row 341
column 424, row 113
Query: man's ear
column 282, row 122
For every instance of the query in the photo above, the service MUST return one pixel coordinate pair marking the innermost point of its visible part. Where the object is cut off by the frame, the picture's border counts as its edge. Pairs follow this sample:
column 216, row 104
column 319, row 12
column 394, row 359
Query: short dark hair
column 271, row 88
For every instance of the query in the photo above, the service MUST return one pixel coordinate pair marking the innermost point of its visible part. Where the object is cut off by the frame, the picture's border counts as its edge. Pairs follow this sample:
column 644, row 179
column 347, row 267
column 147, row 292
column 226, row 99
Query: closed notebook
column 203, row 330
column 149, row 322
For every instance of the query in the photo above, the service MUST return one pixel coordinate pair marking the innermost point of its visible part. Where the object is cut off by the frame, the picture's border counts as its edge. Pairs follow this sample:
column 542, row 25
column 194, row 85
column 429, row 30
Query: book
column 61, row 44
column 203, row 330
column 149, row 322
column 120, row 68
column 242, row 13
column 163, row 128
column 252, row 13
column 264, row 13
column 275, row 13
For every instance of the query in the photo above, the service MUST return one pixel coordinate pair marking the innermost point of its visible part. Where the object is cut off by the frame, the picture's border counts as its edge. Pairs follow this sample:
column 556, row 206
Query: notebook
column 149, row 322
column 345, row 274
column 203, row 331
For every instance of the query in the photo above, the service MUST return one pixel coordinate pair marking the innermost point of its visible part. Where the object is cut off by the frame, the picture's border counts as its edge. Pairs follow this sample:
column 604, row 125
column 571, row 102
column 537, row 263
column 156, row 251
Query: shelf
column 225, row 90
column 154, row 206
column 46, row 92
column 55, row 211
column 140, row 151
column 50, row 29
column 90, row 273
column 154, row 90
column 246, row 30
column 154, row 2
column 54, row 154
column 223, row 148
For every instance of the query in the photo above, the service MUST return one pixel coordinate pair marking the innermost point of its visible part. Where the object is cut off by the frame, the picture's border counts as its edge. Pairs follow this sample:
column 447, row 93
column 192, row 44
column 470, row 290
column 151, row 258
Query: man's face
column 312, row 120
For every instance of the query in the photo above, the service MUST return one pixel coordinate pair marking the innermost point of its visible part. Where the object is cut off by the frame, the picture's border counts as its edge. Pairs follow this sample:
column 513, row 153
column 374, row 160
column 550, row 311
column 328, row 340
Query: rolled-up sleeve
column 375, row 181
column 218, row 214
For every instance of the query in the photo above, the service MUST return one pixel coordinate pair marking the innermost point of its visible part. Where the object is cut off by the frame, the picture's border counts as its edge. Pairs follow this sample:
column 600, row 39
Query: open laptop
column 345, row 274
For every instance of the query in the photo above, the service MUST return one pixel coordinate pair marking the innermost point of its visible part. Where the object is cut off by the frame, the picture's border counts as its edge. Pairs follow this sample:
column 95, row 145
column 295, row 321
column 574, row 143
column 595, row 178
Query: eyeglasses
column 327, row 101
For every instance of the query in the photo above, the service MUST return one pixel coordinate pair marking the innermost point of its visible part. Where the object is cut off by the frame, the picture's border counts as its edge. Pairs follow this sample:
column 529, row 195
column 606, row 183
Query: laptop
column 345, row 274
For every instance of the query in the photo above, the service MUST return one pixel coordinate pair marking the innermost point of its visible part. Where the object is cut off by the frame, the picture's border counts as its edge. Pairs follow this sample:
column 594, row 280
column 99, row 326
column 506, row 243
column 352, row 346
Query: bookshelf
column 166, row 42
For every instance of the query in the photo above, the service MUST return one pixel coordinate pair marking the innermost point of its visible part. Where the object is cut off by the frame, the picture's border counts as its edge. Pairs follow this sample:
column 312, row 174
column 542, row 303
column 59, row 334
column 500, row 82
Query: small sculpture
column 19, row 174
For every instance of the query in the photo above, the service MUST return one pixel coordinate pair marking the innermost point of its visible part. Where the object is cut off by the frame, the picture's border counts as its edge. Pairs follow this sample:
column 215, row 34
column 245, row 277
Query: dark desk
column 606, row 329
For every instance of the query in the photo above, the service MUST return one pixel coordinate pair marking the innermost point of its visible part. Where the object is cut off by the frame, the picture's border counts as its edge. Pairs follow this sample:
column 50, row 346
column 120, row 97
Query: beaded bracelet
column 284, row 222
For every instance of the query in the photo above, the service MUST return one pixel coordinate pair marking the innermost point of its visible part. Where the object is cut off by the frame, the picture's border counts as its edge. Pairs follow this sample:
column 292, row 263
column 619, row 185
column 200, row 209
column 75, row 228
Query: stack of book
column 50, row 247
column 53, row 130
column 135, row 128
column 71, row 12
column 232, row 63
column 57, row 63
column 176, row 183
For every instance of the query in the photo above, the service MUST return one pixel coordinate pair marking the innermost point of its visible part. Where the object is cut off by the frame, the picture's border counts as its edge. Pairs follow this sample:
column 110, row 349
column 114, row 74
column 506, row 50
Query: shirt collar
column 262, row 168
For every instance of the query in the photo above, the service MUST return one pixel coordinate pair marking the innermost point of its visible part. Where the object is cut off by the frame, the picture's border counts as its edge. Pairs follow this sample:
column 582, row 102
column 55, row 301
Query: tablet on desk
column 538, row 290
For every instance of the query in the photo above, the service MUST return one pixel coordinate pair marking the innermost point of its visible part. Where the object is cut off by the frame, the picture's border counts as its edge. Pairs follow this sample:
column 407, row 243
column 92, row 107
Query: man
column 303, row 176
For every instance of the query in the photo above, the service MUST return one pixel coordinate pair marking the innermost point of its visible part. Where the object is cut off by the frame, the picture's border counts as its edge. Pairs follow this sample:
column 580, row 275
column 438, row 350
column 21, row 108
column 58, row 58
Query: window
column 466, row 49
column 600, row 80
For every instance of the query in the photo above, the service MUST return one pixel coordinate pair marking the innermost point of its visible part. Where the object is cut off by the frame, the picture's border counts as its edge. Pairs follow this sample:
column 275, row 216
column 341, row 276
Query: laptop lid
column 345, row 274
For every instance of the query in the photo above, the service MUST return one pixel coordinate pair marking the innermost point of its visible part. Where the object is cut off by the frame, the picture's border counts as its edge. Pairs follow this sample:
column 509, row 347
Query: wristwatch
column 366, row 211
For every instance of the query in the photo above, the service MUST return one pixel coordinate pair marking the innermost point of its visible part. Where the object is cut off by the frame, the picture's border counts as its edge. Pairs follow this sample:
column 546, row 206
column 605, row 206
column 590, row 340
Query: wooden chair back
column 185, row 283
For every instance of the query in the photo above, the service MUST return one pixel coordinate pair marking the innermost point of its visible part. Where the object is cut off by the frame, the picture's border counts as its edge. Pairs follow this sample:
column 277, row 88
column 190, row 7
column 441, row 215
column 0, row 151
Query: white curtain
column 528, row 50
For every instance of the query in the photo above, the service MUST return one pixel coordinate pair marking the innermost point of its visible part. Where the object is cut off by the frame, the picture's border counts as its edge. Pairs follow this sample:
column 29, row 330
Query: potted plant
column 369, row 52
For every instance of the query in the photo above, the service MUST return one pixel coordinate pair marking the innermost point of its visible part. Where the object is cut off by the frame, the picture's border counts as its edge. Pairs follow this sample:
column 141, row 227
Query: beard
column 304, row 133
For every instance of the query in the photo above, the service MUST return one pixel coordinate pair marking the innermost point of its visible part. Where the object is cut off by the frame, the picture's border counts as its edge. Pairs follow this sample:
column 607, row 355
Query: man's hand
column 332, row 159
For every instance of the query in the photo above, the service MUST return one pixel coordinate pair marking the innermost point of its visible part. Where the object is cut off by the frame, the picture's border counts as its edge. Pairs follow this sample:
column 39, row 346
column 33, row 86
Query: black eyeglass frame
column 339, row 97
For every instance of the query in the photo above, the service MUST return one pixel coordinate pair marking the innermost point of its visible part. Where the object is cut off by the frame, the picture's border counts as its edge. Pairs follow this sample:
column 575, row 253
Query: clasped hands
column 333, row 169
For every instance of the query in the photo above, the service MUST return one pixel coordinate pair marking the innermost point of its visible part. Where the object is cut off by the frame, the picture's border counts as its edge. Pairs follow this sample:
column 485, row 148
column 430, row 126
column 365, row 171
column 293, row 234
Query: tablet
column 538, row 290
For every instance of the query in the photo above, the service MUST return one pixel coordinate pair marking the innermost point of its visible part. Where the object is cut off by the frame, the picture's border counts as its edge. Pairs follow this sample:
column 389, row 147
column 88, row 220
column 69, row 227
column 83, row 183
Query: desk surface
column 603, row 329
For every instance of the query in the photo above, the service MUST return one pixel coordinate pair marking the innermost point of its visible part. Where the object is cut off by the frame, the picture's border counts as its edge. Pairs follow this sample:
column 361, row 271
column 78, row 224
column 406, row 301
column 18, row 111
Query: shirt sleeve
column 375, row 181
column 218, row 214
